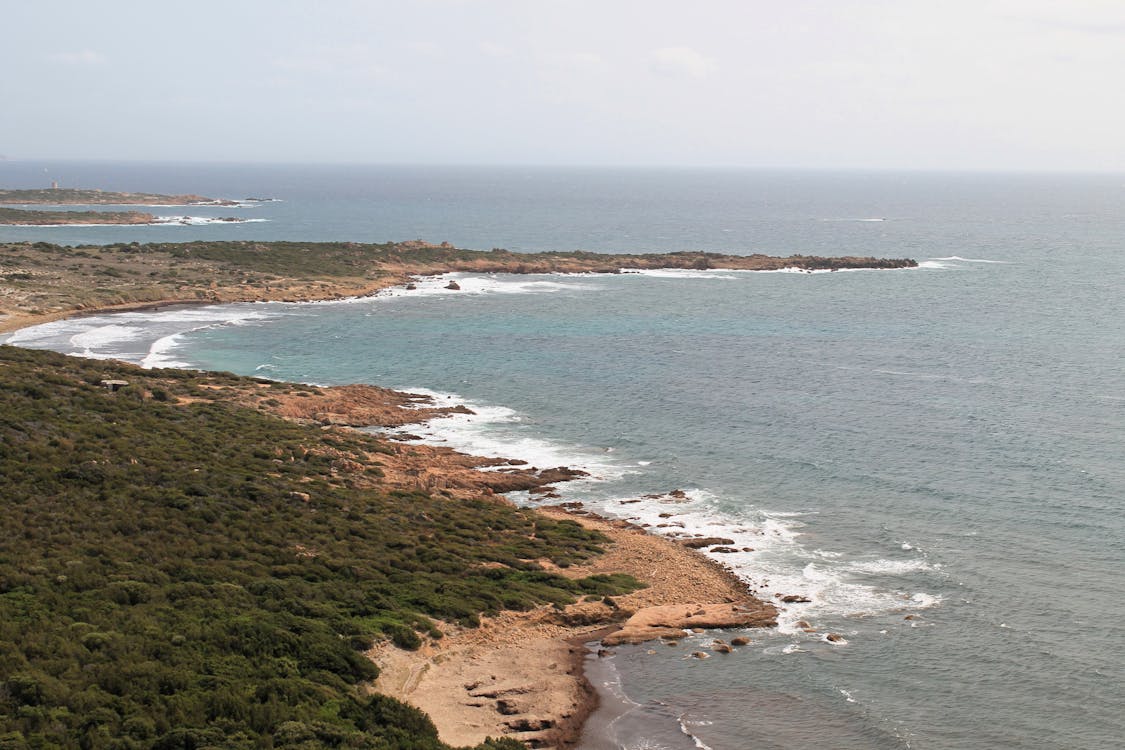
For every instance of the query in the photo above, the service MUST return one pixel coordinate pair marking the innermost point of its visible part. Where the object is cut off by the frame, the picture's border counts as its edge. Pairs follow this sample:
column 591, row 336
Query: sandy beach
column 520, row 674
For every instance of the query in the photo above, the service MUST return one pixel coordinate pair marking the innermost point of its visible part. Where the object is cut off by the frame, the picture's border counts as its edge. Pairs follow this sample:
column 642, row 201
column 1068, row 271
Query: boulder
column 453, row 285
column 507, row 707
column 705, row 541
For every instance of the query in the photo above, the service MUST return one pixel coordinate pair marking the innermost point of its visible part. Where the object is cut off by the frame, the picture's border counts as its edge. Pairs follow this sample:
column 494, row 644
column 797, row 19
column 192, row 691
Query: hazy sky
column 987, row 84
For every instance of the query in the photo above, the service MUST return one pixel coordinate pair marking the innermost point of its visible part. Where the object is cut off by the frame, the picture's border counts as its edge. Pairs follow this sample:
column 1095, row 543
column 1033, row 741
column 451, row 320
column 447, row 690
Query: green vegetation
column 178, row 572
column 44, row 278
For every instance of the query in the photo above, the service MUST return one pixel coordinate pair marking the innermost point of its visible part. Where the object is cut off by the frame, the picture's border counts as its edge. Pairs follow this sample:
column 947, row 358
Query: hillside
column 182, row 569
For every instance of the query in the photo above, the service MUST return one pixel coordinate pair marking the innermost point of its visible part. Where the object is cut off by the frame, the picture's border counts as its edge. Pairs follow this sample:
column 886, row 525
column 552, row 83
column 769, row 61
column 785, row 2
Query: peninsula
column 41, row 281
column 56, row 196
column 24, row 217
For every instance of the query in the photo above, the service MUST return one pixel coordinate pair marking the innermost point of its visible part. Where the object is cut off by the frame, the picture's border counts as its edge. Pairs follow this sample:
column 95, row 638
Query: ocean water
column 935, row 457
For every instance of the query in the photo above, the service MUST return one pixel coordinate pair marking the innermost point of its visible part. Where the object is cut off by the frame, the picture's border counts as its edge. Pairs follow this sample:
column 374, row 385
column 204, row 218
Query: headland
column 57, row 196
column 41, row 281
column 23, row 217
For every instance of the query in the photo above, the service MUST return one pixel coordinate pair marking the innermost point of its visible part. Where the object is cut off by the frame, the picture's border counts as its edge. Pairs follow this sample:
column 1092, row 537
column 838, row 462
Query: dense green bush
column 161, row 587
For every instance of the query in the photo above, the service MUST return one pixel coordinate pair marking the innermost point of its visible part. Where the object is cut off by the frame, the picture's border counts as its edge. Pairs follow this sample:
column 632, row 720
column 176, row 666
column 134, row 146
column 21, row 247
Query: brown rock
column 723, row 549
column 740, row 641
column 453, row 285
column 525, row 724
column 705, row 541
column 834, row 638
column 795, row 599
column 700, row 655
column 507, row 707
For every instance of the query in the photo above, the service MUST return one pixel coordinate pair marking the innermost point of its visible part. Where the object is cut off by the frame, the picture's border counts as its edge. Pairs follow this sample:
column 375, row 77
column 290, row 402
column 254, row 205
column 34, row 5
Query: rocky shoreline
column 17, row 217
column 520, row 674
column 41, row 282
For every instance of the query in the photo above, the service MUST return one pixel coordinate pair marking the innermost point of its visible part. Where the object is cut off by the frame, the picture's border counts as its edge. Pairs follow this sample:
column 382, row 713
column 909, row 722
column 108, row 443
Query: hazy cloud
column 681, row 61
column 494, row 50
column 354, row 60
column 81, row 57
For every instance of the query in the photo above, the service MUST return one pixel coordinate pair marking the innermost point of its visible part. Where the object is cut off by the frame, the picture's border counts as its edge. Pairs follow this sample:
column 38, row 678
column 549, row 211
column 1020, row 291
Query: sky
column 902, row 84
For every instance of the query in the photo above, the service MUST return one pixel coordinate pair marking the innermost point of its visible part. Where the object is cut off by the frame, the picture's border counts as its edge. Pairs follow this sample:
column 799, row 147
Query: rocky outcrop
column 674, row 620
column 706, row 541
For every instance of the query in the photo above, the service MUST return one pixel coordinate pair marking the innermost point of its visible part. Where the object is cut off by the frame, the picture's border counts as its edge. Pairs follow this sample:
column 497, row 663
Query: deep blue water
column 942, row 444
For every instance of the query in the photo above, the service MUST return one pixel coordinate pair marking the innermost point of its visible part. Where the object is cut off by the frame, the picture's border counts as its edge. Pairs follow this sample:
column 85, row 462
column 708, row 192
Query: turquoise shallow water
column 943, row 444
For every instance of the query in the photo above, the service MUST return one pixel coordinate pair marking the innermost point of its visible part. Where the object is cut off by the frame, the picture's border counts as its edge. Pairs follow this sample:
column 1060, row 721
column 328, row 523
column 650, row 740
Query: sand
column 520, row 674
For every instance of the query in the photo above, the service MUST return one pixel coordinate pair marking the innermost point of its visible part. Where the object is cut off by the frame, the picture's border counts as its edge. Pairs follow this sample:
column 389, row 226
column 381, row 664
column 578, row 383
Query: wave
column 769, row 555
column 498, row 432
column 470, row 284
column 971, row 260
column 678, row 273
column 956, row 261
column 196, row 221
column 144, row 338
column 160, row 221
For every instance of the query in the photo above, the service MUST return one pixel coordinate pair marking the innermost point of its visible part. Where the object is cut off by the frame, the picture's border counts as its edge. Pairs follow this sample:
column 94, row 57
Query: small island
column 23, row 217
column 56, row 196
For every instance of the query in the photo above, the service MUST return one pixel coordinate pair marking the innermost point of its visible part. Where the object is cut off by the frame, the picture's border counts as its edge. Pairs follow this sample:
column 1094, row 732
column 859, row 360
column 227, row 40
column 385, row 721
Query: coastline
column 523, row 674
column 41, row 282
column 526, row 669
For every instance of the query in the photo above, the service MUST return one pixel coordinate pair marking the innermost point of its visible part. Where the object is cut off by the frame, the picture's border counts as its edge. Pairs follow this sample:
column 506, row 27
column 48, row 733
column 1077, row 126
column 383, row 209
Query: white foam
column 777, row 564
column 159, row 221
column 158, row 352
column 197, row 221
column 892, row 567
column 687, row 732
column 678, row 273
column 496, row 432
column 971, row 260
column 110, row 335
column 472, row 284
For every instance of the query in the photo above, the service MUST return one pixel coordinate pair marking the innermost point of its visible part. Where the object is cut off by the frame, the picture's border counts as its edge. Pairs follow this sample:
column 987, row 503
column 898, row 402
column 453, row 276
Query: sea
column 933, row 457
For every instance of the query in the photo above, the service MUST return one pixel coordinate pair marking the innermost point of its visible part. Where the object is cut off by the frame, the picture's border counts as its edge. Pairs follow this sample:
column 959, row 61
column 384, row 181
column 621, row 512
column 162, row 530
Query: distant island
column 56, row 196
column 24, row 217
